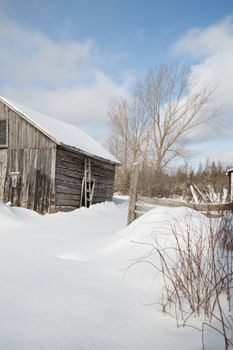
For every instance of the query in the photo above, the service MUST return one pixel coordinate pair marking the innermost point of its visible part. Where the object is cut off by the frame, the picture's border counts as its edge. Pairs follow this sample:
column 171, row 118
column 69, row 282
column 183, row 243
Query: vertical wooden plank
column 32, row 179
column 133, row 193
column 7, row 178
column 3, row 167
column 231, row 185
column 52, row 206
column 24, row 178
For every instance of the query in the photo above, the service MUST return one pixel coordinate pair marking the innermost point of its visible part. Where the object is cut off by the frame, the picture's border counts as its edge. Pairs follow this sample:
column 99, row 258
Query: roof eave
column 75, row 149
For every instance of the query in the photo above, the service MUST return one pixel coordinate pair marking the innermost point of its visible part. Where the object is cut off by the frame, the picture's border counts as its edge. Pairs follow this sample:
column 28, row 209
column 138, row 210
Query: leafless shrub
column 197, row 269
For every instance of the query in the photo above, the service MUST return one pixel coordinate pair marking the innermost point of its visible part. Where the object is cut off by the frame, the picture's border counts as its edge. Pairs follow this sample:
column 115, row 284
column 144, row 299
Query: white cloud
column 61, row 78
column 83, row 104
column 213, row 48
column 32, row 57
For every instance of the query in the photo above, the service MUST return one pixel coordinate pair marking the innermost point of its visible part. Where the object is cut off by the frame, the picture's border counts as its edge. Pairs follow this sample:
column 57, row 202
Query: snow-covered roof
column 61, row 133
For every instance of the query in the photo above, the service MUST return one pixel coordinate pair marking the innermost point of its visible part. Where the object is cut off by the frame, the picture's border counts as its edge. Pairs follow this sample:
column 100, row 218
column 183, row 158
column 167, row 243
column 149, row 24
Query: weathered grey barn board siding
column 69, row 175
column 35, row 186
column 33, row 155
column 104, row 174
column 21, row 133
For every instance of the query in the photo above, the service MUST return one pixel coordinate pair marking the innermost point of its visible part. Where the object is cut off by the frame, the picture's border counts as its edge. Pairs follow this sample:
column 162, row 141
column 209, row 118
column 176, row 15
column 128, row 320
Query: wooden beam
column 199, row 207
column 133, row 193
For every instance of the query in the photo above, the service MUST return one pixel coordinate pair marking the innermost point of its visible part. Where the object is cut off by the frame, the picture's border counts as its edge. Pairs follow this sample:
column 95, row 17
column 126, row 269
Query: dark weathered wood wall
column 104, row 174
column 33, row 155
column 69, row 175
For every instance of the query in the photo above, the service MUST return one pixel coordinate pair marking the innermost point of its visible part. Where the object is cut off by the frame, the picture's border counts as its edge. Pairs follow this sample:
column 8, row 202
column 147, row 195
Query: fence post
column 133, row 193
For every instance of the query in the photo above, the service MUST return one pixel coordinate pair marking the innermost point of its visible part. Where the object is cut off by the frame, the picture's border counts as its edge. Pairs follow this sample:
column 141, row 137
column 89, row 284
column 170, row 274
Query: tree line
column 176, row 183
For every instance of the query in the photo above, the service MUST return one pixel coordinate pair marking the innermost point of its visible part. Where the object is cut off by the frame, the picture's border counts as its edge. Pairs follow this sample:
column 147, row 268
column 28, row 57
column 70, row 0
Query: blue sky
column 70, row 59
column 140, row 32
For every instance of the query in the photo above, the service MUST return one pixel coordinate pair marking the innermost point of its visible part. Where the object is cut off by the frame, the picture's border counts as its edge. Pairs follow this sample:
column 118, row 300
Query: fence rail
column 139, row 205
column 144, row 204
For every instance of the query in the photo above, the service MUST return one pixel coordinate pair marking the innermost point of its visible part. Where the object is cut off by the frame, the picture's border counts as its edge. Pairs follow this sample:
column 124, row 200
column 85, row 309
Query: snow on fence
column 139, row 205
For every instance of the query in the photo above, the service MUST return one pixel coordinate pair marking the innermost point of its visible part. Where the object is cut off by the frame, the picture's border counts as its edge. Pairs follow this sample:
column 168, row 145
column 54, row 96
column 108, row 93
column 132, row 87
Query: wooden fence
column 139, row 205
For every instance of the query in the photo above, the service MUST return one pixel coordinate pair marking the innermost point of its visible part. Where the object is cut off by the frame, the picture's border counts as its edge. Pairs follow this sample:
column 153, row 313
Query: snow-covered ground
column 65, row 282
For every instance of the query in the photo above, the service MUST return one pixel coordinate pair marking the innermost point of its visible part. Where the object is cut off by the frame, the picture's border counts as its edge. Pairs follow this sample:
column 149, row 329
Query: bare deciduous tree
column 118, row 140
column 129, row 128
column 173, row 107
column 153, row 124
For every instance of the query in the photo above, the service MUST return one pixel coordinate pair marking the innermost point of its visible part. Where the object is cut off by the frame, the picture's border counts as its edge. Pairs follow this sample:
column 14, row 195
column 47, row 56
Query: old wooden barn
column 48, row 165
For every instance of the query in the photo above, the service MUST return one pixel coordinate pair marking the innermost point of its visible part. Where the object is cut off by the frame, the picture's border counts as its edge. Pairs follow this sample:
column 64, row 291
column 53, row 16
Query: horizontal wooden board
column 66, row 179
column 143, row 208
column 67, row 202
column 70, row 172
column 65, row 208
column 173, row 203
column 69, row 190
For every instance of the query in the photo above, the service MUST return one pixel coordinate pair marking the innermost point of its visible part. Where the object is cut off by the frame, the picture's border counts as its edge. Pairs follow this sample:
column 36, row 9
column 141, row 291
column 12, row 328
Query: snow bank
column 65, row 282
column 10, row 216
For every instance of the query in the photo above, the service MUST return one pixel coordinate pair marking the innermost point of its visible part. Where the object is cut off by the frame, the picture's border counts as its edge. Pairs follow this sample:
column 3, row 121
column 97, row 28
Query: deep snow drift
column 65, row 283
